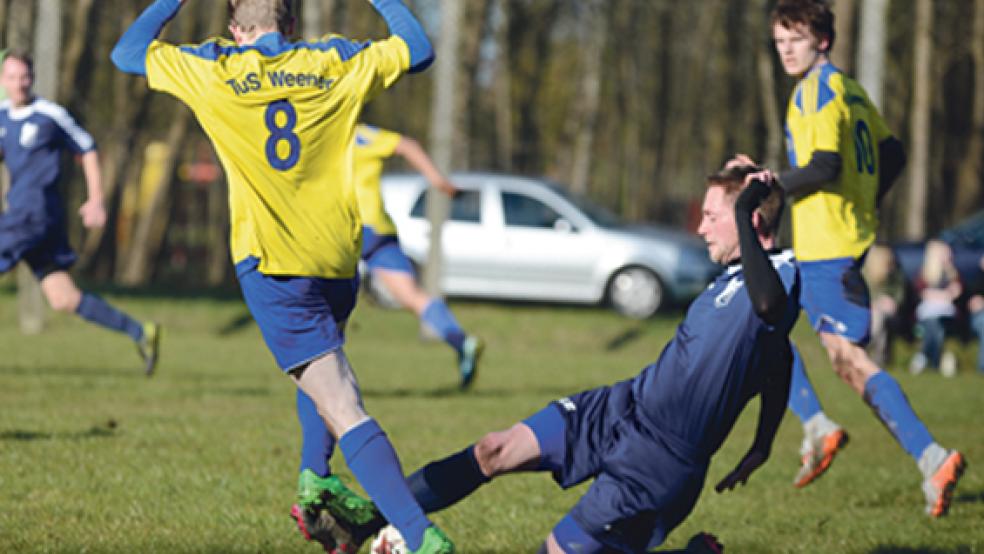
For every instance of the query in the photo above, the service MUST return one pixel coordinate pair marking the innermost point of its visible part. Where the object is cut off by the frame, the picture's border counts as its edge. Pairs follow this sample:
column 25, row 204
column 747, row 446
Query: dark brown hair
column 733, row 182
column 815, row 14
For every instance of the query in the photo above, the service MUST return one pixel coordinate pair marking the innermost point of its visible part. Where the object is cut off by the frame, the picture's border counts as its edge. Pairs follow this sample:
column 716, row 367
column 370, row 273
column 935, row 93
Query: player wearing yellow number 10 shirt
column 844, row 159
column 282, row 117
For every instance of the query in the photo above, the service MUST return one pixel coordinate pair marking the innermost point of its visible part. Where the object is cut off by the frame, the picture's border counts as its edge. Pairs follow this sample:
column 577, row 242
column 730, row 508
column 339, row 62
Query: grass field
column 202, row 458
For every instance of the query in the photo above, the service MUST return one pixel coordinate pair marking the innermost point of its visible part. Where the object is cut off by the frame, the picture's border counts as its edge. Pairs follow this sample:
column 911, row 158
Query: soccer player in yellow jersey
column 381, row 248
column 843, row 160
column 281, row 116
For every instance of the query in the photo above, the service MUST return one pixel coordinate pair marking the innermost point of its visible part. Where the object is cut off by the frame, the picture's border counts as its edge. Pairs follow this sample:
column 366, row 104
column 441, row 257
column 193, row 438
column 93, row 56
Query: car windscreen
column 466, row 206
column 597, row 214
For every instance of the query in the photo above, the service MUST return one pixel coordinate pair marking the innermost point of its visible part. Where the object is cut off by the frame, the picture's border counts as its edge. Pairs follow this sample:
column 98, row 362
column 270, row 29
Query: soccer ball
column 389, row 541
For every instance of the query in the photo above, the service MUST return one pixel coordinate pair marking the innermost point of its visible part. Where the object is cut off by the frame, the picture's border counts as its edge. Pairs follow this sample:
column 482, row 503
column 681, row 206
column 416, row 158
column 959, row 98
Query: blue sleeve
column 130, row 53
column 402, row 23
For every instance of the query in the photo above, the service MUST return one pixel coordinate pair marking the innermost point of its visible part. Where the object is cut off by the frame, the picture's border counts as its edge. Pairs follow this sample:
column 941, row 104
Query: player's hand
column 752, row 461
column 93, row 214
column 758, row 186
column 447, row 187
column 740, row 160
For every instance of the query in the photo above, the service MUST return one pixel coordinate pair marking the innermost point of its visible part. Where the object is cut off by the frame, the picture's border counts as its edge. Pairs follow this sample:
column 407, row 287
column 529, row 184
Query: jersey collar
column 272, row 43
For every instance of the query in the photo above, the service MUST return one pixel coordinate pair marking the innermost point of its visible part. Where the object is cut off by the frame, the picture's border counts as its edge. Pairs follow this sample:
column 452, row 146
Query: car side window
column 466, row 206
column 523, row 211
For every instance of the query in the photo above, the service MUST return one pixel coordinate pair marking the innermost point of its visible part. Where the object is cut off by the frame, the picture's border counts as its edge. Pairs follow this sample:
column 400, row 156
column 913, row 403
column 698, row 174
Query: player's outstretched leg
column 822, row 438
column 941, row 468
column 64, row 296
column 330, row 383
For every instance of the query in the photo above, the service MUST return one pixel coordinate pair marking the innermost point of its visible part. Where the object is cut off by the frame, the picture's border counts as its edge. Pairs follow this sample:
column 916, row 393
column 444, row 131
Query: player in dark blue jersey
column 33, row 134
column 647, row 441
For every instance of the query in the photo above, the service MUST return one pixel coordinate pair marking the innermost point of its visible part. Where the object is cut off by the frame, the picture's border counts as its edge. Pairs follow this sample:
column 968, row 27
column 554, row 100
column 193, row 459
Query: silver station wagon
column 517, row 238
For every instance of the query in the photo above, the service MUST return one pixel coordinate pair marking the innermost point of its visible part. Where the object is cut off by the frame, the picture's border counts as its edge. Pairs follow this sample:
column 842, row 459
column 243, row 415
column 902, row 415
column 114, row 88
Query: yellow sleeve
column 384, row 62
column 375, row 142
column 172, row 70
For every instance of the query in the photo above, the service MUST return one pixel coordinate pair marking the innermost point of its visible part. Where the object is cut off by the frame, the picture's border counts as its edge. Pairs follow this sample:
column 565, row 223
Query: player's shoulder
column 212, row 49
column 4, row 105
column 49, row 109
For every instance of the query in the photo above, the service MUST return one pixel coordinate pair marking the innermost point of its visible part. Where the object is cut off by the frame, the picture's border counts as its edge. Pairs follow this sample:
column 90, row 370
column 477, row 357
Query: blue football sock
column 439, row 317
column 883, row 393
column 317, row 443
column 373, row 461
column 98, row 311
column 572, row 538
column 803, row 399
column 440, row 484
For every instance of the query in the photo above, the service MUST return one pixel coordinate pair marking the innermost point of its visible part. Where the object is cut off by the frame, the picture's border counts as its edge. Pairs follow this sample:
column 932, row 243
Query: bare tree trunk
column 148, row 235
column 313, row 18
column 218, row 232
column 843, row 53
column 78, row 40
column 594, row 21
column 443, row 120
column 871, row 54
column 765, row 70
column 131, row 99
column 502, row 89
column 920, row 124
column 969, row 172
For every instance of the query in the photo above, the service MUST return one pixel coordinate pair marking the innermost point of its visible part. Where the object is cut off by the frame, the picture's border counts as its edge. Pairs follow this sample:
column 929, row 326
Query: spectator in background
column 938, row 287
column 887, row 288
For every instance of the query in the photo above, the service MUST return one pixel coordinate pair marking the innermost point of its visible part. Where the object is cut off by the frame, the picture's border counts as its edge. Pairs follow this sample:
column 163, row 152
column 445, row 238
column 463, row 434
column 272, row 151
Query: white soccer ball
column 389, row 541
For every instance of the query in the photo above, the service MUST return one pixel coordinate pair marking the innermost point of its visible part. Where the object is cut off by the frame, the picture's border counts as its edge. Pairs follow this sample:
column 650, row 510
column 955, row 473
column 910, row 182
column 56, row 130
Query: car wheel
column 635, row 292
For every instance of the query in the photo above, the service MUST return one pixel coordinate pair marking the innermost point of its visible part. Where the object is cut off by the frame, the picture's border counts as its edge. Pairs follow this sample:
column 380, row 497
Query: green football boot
column 471, row 353
column 435, row 542
column 149, row 346
column 329, row 513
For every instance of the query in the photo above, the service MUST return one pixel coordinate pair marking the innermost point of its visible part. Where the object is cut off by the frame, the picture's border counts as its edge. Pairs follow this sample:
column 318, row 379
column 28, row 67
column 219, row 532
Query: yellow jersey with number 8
column 830, row 112
column 282, row 116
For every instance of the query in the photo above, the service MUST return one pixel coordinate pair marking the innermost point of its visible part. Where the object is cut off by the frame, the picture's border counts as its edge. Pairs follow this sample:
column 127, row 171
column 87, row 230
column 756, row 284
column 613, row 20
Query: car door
column 466, row 241
column 545, row 253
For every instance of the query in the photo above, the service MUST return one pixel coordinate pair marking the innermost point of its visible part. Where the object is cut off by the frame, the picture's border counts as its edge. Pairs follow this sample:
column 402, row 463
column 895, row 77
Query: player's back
column 716, row 361
column 281, row 116
column 372, row 147
column 831, row 112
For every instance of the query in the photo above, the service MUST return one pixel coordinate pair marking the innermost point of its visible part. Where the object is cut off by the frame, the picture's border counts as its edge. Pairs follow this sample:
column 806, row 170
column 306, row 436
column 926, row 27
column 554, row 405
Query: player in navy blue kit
column 33, row 134
column 647, row 441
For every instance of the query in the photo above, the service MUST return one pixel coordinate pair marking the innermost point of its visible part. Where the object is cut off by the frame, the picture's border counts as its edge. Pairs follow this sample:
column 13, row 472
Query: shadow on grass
column 95, row 432
column 241, row 321
column 136, row 372
column 449, row 392
column 892, row 549
column 970, row 498
column 626, row 337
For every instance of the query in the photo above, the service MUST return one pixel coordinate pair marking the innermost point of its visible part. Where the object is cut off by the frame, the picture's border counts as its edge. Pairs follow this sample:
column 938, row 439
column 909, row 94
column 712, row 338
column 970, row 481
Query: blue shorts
column 384, row 252
column 642, row 489
column 43, row 245
column 301, row 318
column 836, row 299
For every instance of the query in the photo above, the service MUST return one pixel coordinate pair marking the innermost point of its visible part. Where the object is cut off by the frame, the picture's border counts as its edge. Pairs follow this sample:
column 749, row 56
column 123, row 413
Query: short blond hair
column 249, row 15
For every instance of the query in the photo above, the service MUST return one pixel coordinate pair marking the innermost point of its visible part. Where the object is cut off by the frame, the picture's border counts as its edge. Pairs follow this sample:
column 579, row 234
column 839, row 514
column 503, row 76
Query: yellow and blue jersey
column 830, row 112
column 372, row 147
column 282, row 117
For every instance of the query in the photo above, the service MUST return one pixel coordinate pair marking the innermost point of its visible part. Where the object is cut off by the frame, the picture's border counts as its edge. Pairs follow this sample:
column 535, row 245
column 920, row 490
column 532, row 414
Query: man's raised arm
column 130, row 53
column 402, row 23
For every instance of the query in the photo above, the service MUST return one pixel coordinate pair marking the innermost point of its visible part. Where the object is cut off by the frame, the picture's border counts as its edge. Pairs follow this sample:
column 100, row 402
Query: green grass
column 202, row 458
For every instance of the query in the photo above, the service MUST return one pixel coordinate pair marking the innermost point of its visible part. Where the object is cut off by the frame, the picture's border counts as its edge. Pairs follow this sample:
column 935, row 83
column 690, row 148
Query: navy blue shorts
column 43, row 245
column 836, row 299
column 384, row 252
column 301, row 318
column 642, row 488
